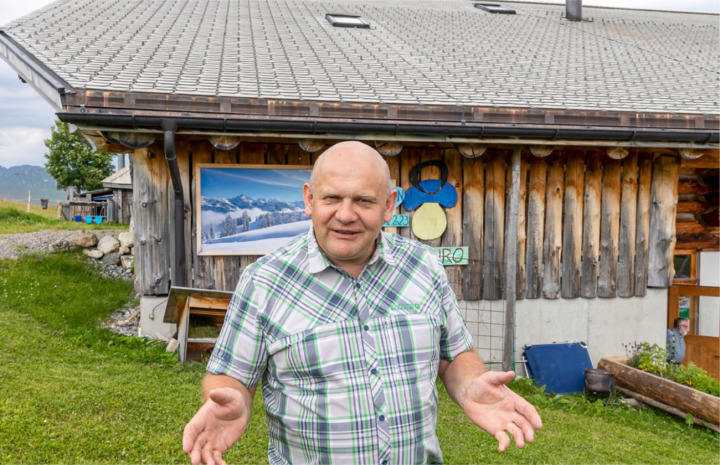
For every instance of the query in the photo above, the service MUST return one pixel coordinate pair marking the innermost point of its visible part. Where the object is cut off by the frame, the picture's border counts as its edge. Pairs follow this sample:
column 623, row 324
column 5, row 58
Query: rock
column 86, row 241
column 93, row 253
column 126, row 261
column 127, row 239
column 108, row 244
column 112, row 258
column 124, row 250
column 62, row 245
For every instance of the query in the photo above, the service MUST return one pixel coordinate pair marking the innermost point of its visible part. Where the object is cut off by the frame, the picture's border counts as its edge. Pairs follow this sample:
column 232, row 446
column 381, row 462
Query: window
column 338, row 20
column 494, row 8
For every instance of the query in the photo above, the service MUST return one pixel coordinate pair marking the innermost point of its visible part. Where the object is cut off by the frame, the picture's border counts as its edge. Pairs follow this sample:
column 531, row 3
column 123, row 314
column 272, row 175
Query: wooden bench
column 186, row 304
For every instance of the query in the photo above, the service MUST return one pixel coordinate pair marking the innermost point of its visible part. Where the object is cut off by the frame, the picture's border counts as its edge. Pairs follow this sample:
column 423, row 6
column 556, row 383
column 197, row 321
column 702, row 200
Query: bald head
column 352, row 153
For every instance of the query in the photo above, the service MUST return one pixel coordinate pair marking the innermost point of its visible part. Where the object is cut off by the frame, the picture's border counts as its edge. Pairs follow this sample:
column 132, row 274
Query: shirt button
column 366, row 328
column 381, row 418
column 384, row 462
column 373, row 371
column 358, row 286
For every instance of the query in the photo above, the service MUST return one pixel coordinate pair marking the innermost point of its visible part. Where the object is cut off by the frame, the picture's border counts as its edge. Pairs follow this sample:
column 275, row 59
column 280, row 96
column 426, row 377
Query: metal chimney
column 573, row 10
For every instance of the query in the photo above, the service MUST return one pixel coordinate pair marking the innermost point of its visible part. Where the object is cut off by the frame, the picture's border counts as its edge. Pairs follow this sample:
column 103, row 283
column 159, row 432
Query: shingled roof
column 445, row 53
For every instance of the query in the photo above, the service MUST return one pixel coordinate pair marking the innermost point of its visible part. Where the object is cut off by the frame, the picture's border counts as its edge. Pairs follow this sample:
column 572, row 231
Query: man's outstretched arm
column 221, row 420
column 487, row 401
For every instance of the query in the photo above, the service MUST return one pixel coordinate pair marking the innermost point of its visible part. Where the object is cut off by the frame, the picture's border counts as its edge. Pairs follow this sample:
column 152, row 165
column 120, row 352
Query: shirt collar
column 317, row 261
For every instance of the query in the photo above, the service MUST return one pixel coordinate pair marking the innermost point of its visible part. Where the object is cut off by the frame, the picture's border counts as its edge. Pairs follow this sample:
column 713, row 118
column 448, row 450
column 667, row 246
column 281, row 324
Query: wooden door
column 703, row 351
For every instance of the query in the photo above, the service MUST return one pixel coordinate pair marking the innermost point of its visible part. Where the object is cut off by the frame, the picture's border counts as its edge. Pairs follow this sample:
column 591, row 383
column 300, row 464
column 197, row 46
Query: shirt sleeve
column 240, row 350
column 455, row 336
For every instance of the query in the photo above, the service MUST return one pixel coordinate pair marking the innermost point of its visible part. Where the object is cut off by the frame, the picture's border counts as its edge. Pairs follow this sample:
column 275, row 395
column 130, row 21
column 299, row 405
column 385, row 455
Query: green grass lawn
column 72, row 393
column 14, row 219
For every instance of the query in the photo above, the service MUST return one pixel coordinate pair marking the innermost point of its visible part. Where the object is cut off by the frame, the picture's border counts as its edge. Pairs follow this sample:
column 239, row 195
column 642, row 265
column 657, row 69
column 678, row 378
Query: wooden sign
column 398, row 221
column 451, row 256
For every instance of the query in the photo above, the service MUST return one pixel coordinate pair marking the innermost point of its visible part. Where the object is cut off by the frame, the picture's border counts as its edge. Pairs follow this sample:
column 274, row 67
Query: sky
column 26, row 119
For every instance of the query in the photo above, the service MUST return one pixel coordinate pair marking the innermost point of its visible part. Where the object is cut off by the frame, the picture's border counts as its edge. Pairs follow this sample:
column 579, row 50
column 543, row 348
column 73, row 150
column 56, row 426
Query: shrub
column 653, row 359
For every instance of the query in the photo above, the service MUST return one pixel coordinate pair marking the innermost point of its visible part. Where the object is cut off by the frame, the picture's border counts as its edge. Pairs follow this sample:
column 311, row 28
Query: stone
column 127, row 239
column 86, row 241
column 126, row 261
column 62, row 245
column 108, row 244
column 93, row 253
column 124, row 250
column 112, row 258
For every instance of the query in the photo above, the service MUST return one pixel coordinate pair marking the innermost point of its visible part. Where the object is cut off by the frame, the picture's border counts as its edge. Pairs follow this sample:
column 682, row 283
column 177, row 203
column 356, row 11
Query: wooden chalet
column 584, row 151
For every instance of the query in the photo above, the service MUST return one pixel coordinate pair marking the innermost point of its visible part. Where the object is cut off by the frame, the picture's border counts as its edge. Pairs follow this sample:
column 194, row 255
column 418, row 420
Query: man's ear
column 390, row 205
column 307, row 198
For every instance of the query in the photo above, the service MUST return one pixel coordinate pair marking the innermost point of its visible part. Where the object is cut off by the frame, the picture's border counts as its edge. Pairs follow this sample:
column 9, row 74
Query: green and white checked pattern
column 348, row 366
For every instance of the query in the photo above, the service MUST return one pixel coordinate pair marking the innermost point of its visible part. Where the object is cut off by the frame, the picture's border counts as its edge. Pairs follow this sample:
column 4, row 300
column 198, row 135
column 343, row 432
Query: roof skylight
column 494, row 8
column 338, row 20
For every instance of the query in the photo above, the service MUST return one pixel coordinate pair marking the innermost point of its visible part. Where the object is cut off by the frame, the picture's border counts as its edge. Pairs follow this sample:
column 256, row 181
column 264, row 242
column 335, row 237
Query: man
column 348, row 329
column 675, row 340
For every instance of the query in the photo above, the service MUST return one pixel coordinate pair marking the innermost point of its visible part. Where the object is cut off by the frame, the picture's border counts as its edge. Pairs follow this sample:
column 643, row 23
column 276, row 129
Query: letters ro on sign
column 453, row 255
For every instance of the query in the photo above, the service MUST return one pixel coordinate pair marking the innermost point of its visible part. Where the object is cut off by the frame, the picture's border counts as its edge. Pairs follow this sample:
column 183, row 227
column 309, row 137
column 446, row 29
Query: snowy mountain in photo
column 223, row 218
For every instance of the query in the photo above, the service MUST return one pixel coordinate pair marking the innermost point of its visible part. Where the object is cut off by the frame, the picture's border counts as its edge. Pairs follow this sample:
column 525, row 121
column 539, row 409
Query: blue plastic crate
column 560, row 367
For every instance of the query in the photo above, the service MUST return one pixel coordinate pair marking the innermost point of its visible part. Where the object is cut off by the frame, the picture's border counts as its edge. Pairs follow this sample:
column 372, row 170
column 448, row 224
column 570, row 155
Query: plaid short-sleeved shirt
column 348, row 366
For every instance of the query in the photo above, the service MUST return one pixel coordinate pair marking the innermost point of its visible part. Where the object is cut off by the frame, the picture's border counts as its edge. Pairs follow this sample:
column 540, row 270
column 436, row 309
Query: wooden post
column 552, row 248
column 663, row 206
column 628, row 222
column 151, row 218
column 609, row 229
column 572, row 231
column 535, row 226
column 27, row 208
column 511, row 263
column 591, row 225
column 643, row 225
column 473, row 227
column 494, row 226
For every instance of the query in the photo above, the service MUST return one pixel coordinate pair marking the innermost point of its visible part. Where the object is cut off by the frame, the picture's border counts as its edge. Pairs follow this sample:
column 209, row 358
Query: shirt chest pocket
column 329, row 353
column 409, row 345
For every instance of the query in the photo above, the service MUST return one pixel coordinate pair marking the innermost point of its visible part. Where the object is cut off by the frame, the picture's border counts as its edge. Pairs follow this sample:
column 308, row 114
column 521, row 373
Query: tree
column 229, row 227
column 72, row 161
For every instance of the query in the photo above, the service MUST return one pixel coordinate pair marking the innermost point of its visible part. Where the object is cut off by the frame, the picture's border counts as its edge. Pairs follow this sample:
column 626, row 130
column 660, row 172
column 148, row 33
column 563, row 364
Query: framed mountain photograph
column 249, row 209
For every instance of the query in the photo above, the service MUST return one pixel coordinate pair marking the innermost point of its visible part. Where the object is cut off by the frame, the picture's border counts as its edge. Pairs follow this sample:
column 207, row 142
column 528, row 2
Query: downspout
column 169, row 127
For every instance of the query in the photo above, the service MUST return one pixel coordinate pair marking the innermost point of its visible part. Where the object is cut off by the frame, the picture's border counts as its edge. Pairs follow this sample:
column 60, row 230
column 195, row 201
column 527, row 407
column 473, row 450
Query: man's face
column 348, row 203
column 684, row 327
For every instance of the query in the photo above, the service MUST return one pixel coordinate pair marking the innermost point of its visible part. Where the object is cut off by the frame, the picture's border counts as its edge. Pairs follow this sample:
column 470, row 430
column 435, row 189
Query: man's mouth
column 345, row 233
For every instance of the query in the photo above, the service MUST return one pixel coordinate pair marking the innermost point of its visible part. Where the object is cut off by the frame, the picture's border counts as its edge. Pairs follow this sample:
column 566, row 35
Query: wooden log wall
column 590, row 223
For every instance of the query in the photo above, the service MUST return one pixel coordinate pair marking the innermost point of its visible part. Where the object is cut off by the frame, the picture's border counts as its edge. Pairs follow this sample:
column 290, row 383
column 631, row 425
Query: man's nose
column 346, row 211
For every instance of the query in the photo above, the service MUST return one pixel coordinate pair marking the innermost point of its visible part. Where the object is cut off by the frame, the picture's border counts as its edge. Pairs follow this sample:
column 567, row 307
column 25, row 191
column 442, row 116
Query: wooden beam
column 609, row 229
column 472, row 150
column 642, row 233
column 494, row 226
column 628, row 227
column 541, row 151
column 591, row 225
column 522, row 227
column 552, row 246
column 473, row 227
column 573, row 224
column 388, row 148
column 453, row 235
column 535, row 226
column 662, row 221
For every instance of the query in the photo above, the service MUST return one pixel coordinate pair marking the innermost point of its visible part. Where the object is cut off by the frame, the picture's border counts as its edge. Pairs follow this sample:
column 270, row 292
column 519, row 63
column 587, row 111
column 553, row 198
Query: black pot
column 598, row 380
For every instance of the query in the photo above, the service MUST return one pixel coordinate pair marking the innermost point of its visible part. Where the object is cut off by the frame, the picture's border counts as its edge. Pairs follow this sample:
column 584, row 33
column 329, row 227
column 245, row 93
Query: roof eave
column 49, row 85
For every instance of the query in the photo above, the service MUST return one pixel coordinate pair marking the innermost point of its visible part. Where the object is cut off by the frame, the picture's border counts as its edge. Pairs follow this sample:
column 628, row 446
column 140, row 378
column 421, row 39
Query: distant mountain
column 15, row 182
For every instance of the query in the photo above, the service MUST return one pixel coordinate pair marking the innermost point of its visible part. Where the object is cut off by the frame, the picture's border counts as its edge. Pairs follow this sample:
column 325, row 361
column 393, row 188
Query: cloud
column 23, row 146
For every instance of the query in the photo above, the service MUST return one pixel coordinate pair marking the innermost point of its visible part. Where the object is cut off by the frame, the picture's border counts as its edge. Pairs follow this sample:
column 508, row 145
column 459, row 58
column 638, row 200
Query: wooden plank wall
column 589, row 225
